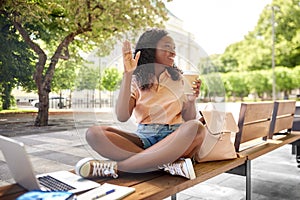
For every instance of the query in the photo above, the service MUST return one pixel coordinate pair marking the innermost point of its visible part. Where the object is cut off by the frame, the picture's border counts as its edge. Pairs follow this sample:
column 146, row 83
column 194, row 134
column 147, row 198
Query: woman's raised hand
column 130, row 63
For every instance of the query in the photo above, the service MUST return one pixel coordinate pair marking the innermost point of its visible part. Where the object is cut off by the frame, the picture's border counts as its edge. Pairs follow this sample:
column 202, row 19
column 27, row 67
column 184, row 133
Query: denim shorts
column 153, row 133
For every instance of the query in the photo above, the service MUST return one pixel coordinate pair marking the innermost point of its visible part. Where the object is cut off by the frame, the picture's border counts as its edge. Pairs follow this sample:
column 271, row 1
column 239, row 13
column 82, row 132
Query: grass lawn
column 18, row 110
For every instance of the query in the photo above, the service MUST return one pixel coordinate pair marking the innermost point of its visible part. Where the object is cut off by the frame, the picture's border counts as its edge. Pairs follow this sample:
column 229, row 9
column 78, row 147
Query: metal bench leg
column 297, row 152
column 173, row 197
column 248, row 180
column 293, row 149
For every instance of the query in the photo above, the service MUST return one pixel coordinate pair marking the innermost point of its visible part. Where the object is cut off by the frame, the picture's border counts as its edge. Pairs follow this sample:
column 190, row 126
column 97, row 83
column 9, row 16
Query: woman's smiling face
column 165, row 51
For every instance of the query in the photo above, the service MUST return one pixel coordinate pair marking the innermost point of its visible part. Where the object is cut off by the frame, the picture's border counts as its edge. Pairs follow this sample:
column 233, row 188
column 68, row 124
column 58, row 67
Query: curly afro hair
column 145, row 69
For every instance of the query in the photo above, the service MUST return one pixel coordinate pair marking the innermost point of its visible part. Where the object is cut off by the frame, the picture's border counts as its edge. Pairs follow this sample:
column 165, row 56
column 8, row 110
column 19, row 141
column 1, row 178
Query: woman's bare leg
column 126, row 148
column 113, row 143
column 182, row 143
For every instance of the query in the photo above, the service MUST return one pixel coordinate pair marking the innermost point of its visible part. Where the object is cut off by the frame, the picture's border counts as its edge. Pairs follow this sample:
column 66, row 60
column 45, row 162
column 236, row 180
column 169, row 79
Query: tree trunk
column 93, row 97
column 242, row 98
column 111, row 99
column 6, row 96
column 43, row 81
column 100, row 103
column 285, row 95
column 69, row 100
column 60, row 104
column 87, row 98
column 43, row 113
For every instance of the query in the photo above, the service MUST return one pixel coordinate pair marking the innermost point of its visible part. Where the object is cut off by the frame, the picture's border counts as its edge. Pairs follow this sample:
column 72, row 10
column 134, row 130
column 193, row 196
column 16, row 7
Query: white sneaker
column 91, row 168
column 182, row 167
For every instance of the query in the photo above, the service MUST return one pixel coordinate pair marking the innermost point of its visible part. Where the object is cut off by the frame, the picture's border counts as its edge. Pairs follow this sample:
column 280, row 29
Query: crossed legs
column 126, row 148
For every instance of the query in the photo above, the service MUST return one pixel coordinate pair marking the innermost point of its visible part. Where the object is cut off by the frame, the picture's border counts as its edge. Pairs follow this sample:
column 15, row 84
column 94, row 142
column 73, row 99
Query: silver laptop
column 21, row 170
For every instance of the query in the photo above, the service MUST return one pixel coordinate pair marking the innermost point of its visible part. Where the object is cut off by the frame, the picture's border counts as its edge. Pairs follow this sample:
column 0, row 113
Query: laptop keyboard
column 53, row 184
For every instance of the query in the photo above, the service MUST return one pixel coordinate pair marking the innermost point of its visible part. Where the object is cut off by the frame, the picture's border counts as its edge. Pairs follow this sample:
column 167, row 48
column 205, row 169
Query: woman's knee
column 195, row 125
column 95, row 132
column 200, row 131
column 196, row 128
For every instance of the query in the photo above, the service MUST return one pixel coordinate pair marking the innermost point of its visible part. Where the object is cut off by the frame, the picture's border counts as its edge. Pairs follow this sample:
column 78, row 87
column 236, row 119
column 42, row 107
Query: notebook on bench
column 21, row 170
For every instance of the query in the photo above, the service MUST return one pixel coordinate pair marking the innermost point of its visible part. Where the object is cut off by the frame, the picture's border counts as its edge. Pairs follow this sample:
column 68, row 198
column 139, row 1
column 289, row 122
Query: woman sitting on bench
column 168, row 133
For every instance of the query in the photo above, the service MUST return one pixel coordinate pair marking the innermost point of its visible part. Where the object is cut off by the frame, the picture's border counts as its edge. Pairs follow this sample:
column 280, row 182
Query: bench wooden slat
column 254, row 122
column 11, row 189
column 11, row 196
column 282, row 117
column 253, row 131
column 270, row 145
column 161, row 187
column 257, row 111
column 205, row 171
column 285, row 107
column 158, row 188
column 130, row 179
column 283, row 123
column 126, row 179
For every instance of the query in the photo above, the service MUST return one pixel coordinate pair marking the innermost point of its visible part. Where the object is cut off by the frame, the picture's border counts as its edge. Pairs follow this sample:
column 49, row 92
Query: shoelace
column 174, row 169
column 103, row 169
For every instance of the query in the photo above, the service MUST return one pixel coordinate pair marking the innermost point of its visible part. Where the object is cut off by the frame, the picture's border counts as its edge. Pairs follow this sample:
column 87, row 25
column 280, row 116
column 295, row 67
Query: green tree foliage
column 229, row 58
column 287, row 31
column 111, row 79
column 253, row 54
column 259, row 82
column 212, row 86
column 211, row 64
column 65, row 74
column 16, row 62
column 87, row 78
column 255, row 51
column 295, row 77
column 235, row 84
column 284, row 80
column 57, row 24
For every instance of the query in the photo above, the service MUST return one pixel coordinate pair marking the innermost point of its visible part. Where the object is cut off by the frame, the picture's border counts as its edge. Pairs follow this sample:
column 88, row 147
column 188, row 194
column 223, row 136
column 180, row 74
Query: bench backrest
column 282, row 117
column 254, row 122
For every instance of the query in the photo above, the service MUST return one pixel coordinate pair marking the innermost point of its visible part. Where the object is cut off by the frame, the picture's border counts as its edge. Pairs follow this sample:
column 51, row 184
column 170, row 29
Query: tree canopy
column 16, row 62
column 248, row 63
column 254, row 52
column 53, row 25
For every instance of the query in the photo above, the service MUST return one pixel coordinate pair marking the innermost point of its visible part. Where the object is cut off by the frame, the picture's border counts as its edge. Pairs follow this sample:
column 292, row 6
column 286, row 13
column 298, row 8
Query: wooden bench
column 263, row 127
column 258, row 134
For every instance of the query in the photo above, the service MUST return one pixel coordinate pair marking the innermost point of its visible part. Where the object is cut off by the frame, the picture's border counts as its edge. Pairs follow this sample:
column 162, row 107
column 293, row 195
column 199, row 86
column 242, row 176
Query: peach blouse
column 162, row 104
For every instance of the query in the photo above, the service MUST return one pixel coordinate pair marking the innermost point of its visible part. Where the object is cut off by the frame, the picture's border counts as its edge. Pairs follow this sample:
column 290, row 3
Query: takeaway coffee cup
column 189, row 77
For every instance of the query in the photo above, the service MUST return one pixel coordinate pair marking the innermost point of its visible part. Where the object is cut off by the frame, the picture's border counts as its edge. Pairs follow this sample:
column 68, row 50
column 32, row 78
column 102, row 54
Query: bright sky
column 218, row 23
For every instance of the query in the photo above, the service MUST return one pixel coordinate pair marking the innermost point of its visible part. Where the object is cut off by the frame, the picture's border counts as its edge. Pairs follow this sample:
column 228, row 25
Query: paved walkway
column 60, row 145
